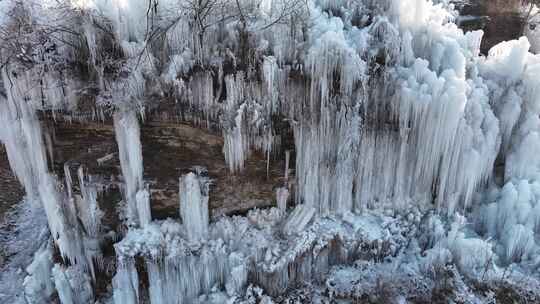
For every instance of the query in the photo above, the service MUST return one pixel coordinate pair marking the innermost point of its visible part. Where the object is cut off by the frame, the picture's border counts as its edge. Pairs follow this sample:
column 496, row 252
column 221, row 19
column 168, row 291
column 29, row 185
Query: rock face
column 170, row 150
column 11, row 192
column 500, row 20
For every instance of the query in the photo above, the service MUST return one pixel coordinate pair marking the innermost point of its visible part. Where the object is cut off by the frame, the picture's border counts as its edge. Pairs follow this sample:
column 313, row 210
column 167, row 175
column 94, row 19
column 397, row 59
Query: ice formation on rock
column 72, row 284
column 246, row 122
column 38, row 286
column 417, row 112
column 282, row 195
column 390, row 108
column 298, row 219
column 130, row 152
column 26, row 152
column 236, row 249
column 126, row 283
column 193, row 195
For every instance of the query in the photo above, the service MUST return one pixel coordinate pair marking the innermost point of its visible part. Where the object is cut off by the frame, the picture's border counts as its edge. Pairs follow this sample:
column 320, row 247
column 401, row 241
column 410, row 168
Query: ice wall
column 399, row 126
column 238, row 250
column 511, row 213
column 389, row 104
column 360, row 94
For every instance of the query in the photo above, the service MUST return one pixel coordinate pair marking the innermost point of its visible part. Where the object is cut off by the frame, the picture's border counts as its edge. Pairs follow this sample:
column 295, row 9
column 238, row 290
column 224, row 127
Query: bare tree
column 249, row 12
column 27, row 41
column 532, row 10
column 201, row 15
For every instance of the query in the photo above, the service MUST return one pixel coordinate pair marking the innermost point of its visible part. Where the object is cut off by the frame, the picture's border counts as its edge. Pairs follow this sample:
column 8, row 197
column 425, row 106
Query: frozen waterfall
column 408, row 154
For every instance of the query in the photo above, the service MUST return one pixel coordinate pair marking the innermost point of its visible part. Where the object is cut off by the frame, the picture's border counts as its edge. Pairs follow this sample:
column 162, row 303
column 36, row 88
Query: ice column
column 25, row 147
column 127, row 131
column 126, row 283
column 236, row 140
column 21, row 134
column 73, row 284
column 287, row 161
column 38, row 285
column 88, row 208
column 194, row 205
column 90, row 217
column 246, row 122
column 282, row 195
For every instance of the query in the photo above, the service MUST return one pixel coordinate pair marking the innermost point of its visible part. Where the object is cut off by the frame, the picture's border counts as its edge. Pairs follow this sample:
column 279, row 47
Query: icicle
column 287, row 160
column 88, row 208
column 246, row 123
column 282, row 195
column 23, row 139
column 90, row 215
column 143, row 207
column 236, row 144
column 69, row 181
column 126, row 283
column 269, row 73
column 26, row 153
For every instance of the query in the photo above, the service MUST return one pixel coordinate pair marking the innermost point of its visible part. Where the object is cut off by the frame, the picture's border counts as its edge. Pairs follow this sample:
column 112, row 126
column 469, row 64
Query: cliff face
column 170, row 149
column 12, row 191
column 251, row 151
